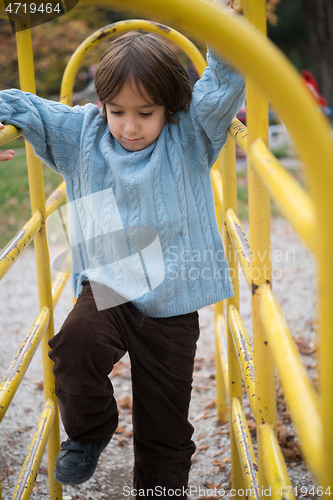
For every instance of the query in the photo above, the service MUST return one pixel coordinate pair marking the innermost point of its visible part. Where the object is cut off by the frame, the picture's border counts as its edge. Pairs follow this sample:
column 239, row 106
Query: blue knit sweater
column 142, row 223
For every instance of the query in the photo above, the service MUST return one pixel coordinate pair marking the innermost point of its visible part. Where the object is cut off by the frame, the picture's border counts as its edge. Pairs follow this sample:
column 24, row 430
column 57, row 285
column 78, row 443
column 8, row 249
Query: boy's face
column 133, row 119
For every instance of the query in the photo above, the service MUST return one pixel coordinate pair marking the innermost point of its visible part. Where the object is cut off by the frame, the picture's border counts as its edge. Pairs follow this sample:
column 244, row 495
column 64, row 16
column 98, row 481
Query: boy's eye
column 146, row 114
column 115, row 112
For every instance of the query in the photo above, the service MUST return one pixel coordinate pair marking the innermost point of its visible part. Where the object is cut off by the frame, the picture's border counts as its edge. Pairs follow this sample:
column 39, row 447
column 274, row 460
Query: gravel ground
column 294, row 286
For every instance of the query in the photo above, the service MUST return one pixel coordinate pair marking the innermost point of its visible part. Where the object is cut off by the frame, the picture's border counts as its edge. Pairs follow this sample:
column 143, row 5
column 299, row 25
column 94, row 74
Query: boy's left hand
column 7, row 155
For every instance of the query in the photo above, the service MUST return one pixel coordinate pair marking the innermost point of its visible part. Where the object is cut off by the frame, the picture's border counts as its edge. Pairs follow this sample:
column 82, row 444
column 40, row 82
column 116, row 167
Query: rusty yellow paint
column 240, row 243
column 244, row 352
column 238, row 132
column 245, row 451
column 302, row 401
column 19, row 243
column 294, row 202
column 275, row 466
column 33, row 459
column 15, row 373
column 55, row 199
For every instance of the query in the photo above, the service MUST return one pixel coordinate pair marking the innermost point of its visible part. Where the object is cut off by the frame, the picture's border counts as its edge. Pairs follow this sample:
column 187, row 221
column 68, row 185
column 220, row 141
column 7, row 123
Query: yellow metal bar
column 229, row 190
column 221, row 351
column 115, row 29
column 9, row 133
column 55, row 199
column 15, row 373
column 245, row 354
column 36, row 186
column 33, row 459
column 302, row 401
column 61, row 279
column 238, row 132
column 221, row 364
column 259, row 217
column 275, row 466
column 19, row 243
column 245, row 450
column 294, row 203
column 217, row 187
column 240, row 243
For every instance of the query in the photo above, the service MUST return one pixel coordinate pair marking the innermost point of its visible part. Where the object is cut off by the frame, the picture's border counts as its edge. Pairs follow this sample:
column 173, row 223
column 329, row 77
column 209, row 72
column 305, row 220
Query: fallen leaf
column 125, row 403
column 211, row 405
column 212, row 486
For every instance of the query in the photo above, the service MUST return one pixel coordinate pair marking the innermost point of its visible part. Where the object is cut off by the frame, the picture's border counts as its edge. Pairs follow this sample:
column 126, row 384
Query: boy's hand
column 9, row 153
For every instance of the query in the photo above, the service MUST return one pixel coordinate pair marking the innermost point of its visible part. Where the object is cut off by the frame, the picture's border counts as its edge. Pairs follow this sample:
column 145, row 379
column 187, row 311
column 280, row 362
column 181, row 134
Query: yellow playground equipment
column 268, row 75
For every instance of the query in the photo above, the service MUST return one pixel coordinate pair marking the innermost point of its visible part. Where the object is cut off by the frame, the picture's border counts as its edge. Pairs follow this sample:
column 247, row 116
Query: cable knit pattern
column 157, row 202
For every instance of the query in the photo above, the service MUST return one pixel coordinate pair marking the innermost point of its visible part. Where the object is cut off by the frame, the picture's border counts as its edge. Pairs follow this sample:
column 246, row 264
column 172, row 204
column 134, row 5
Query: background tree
column 319, row 18
column 303, row 30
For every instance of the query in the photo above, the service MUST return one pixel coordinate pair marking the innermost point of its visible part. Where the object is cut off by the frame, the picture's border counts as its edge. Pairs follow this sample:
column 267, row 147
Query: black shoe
column 77, row 461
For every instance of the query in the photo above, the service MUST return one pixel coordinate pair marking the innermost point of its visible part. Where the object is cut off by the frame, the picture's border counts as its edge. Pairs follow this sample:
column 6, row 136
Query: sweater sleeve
column 216, row 99
column 53, row 129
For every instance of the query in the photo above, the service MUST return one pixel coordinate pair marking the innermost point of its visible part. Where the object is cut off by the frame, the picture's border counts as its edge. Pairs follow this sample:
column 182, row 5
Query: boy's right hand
column 9, row 153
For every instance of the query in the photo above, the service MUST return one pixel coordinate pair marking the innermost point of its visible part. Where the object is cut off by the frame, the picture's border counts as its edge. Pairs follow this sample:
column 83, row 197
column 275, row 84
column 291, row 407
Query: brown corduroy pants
column 162, row 354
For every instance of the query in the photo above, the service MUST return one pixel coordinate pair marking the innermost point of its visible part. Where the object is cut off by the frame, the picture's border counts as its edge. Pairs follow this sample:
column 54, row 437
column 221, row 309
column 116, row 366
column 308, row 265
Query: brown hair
column 147, row 60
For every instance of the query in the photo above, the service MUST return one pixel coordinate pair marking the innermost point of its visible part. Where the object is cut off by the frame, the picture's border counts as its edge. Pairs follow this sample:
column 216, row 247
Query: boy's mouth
column 131, row 140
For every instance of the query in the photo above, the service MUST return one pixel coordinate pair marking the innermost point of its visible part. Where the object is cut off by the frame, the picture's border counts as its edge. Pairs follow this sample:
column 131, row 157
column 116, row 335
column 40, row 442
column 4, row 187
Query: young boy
column 146, row 249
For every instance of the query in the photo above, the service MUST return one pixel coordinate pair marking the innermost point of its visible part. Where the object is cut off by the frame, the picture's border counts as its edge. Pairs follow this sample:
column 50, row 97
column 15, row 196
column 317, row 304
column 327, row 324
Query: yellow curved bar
column 275, row 466
column 9, row 133
column 33, row 459
column 221, row 363
column 302, row 401
column 19, row 243
column 245, row 354
column 61, row 279
column 116, row 29
column 240, row 243
column 238, row 132
column 245, row 450
column 295, row 204
column 55, row 199
column 15, row 373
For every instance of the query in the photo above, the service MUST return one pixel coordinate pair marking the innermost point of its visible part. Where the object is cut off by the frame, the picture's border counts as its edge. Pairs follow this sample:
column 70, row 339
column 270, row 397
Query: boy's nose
column 131, row 126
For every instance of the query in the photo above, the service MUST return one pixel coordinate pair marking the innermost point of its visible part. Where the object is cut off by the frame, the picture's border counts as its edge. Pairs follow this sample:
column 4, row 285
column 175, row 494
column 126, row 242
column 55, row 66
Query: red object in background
column 313, row 86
